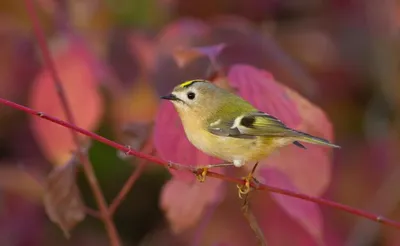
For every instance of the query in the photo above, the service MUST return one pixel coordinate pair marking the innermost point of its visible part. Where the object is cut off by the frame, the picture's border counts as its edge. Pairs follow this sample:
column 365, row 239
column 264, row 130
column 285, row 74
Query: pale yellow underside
column 234, row 149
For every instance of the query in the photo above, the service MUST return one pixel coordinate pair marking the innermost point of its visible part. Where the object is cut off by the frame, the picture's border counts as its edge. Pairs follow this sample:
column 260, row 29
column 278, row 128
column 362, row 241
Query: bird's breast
column 230, row 148
column 226, row 148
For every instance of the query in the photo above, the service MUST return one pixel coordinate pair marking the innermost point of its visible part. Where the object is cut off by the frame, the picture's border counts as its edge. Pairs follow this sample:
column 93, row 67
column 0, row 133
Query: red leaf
column 183, row 198
column 172, row 145
column 184, row 203
column 307, row 171
column 79, row 82
column 262, row 91
column 306, row 213
column 75, row 44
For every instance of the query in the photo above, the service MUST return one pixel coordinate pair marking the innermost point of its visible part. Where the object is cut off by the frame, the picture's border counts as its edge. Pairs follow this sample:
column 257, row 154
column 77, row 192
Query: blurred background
column 115, row 59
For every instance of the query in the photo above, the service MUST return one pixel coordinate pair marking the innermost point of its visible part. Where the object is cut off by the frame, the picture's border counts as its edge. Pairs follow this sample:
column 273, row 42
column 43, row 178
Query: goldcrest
column 224, row 125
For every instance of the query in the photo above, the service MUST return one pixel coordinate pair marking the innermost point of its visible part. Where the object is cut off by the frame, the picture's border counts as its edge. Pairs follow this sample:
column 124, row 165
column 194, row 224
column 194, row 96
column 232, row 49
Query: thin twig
column 192, row 169
column 131, row 180
column 127, row 186
column 94, row 213
column 252, row 220
column 49, row 63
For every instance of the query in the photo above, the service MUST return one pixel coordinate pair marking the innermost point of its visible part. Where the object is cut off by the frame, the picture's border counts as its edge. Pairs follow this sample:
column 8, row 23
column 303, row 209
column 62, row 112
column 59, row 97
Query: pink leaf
column 183, row 198
column 260, row 89
column 307, row 171
column 306, row 213
column 184, row 203
column 172, row 145
column 75, row 44
column 79, row 82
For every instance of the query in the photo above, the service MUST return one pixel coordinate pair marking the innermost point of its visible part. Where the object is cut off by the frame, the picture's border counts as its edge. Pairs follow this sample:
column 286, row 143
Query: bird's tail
column 304, row 137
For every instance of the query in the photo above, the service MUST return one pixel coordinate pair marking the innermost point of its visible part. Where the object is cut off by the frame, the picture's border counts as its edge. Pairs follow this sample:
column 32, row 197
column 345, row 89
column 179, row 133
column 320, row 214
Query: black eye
column 191, row 95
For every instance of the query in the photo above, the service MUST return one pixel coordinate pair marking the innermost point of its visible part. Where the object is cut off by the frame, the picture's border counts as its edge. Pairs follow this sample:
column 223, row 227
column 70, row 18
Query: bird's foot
column 201, row 171
column 201, row 174
column 246, row 187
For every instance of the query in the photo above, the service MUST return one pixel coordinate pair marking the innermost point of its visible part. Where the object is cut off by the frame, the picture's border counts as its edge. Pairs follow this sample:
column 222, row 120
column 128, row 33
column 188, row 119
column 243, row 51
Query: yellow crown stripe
column 188, row 83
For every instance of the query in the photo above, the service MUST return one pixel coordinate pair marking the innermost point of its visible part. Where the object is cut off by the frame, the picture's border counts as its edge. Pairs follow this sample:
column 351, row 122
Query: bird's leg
column 201, row 171
column 245, row 189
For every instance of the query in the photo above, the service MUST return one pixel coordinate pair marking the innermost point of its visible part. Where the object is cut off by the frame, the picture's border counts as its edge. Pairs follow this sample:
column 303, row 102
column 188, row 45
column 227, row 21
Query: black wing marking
column 225, row 130
column 298, row 144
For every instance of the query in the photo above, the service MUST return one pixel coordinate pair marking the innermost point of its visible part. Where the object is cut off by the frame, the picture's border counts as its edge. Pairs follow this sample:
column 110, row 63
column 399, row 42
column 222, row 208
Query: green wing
column 250, row 125
column 256, row 124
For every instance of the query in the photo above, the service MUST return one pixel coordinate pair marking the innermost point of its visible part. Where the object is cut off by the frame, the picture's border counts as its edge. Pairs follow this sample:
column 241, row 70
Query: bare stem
column 127, row 186
column 131, row 180
column 251, row 219
column 49, row 63
column 155, row 160
column 93, row 213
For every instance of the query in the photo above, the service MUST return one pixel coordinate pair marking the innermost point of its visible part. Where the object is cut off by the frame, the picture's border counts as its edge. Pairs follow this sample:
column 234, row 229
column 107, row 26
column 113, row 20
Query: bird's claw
column 246, row 188
column 201, row 174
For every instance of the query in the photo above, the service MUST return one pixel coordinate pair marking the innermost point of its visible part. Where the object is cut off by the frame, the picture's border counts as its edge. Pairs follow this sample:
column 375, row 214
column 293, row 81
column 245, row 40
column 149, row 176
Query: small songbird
column 224, row 125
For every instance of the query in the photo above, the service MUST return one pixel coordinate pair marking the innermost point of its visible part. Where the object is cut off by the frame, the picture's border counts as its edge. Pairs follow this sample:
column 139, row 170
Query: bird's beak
column 170, row 97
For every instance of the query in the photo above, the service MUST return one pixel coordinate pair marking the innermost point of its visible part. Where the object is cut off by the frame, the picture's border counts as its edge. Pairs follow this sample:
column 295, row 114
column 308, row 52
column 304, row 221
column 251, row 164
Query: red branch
column 155, row 160
column 87, row 166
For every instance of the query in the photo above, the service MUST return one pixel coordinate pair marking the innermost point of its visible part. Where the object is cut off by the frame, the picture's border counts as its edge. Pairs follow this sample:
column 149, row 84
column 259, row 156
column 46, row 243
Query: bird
column 223, row 125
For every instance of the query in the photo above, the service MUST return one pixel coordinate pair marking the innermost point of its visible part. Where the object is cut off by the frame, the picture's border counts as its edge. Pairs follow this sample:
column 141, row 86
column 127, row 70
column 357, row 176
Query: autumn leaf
column 306, row 213
column 62, row 199
column 263, row 92
column 171, row 143
column 78, row 78
column 259, row 88
column 184, row 203
column 306, row 171
column 183, row 199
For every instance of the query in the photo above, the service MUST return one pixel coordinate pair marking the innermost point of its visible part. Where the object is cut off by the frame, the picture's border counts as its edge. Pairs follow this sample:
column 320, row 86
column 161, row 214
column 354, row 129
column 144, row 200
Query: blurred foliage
column 340, row 55
column 141, row 13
